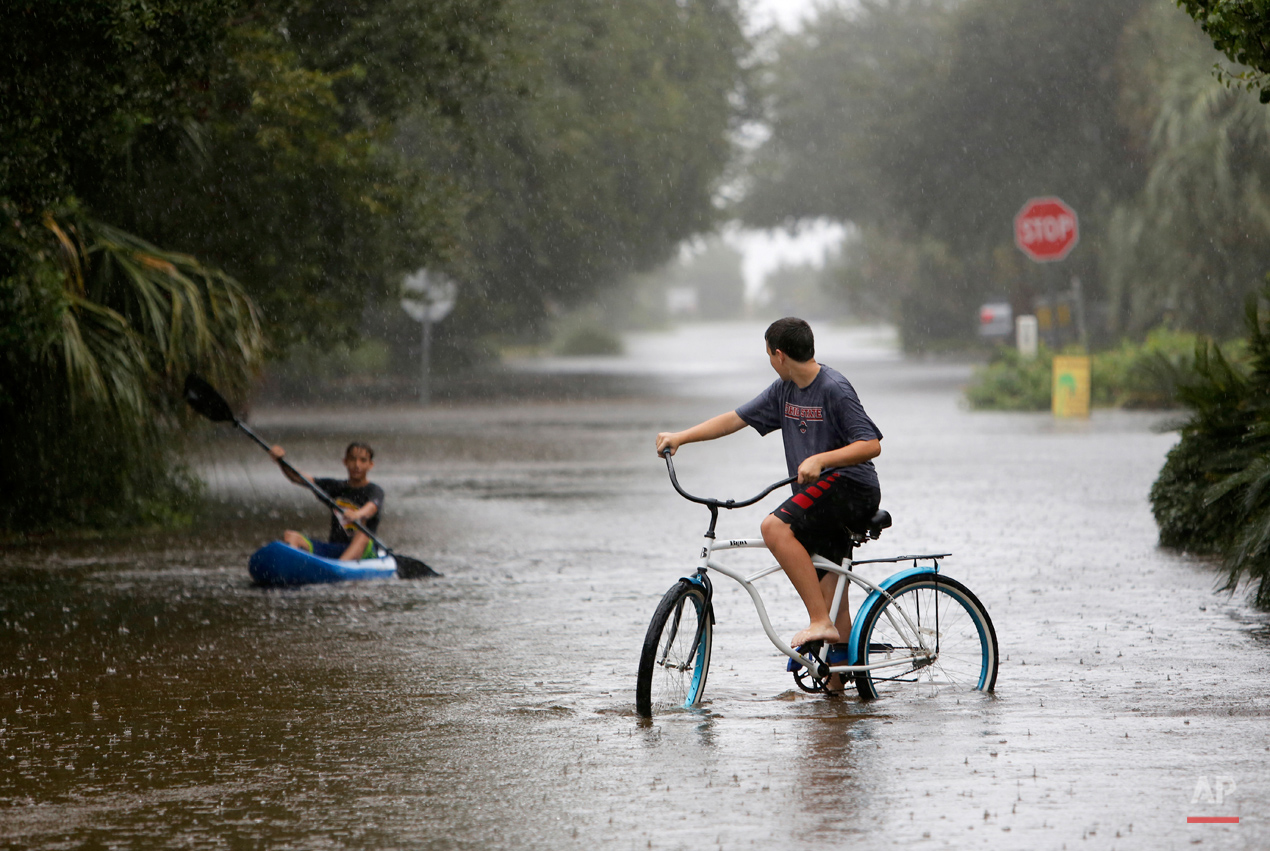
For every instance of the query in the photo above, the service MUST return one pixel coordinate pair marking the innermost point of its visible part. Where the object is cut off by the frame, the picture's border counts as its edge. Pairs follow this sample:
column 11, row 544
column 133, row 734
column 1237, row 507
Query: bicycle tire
column 964, row 656
column 675, row 659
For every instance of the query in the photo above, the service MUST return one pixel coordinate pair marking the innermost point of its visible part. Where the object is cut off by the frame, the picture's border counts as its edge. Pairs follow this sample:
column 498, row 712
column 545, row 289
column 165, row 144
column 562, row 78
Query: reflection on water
column 150, row 696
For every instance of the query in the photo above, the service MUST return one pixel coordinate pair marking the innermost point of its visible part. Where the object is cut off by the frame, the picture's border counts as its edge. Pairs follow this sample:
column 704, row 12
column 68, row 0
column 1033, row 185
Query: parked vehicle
column 996, row 321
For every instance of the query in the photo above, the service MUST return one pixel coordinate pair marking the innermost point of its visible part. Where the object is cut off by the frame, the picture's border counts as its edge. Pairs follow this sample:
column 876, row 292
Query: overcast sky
column 786, row 14
column 764, row 251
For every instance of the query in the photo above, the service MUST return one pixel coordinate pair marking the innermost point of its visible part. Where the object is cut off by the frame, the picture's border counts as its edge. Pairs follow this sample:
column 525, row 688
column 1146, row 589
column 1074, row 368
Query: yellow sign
column 1070, row 393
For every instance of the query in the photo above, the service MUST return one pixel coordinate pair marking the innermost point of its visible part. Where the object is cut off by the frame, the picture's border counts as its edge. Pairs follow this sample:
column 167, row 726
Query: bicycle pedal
column 808, row 650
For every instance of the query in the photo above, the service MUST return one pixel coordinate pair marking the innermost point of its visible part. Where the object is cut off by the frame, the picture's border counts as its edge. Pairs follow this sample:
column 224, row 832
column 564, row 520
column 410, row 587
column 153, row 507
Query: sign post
column 1046, row 229
column 1025, row 336
column 430, row 299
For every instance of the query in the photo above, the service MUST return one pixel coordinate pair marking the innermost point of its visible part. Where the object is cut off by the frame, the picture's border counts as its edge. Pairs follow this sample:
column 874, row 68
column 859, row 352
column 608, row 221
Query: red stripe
column 1212, row 819
column 823, row 484
column 802, row 501
column 813, row 490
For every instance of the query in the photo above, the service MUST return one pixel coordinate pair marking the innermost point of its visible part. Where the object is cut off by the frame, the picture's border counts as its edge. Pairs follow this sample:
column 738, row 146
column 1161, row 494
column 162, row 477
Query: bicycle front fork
column 702, row 581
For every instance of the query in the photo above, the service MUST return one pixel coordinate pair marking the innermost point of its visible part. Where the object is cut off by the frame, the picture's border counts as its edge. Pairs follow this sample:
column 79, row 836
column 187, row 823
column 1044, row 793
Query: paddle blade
column 203, row 398
column 412, row 568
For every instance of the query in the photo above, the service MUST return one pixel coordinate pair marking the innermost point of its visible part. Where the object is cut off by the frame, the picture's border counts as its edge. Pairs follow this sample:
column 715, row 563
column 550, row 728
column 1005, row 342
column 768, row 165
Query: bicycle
column 916, row 627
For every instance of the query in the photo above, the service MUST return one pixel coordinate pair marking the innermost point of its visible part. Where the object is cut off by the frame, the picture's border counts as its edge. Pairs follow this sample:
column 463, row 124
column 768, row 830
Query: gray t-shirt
column 823, row 416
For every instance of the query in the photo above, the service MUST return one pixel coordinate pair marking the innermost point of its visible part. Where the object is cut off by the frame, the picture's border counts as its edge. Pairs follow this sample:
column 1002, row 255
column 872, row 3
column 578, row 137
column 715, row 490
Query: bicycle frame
column 844, row 572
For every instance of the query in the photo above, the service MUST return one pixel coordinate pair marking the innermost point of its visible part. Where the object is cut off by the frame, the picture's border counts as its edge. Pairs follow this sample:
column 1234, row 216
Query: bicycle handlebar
column 719, row 503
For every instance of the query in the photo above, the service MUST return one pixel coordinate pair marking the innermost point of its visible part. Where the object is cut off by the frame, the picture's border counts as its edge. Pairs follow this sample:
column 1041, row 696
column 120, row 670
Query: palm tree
column 136, row 313
column 1196, row 241
column 102, row 328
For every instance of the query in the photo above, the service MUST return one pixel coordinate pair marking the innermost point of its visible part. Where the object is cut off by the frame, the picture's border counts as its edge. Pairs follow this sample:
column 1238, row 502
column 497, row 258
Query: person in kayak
column 358, row 497
column 830, row 444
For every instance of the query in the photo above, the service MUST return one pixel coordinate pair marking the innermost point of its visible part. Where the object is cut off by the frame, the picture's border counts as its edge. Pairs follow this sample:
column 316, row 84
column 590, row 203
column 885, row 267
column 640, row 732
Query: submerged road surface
column 151, row 697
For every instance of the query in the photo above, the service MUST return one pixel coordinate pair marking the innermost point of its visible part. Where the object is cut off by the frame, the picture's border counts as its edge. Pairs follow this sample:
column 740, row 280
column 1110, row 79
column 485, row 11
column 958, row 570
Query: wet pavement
column 151, row 697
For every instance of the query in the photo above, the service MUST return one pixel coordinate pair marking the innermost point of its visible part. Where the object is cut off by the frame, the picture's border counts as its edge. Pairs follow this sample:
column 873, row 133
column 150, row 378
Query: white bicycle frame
column 921, row 653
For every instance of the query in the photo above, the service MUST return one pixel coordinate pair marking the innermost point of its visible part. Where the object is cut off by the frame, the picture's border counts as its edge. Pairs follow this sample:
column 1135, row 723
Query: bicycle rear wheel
column 676, row 654
column 935, row 634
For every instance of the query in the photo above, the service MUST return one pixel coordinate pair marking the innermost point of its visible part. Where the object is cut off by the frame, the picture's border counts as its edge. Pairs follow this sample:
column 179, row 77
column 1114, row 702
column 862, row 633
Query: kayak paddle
column 202, row 397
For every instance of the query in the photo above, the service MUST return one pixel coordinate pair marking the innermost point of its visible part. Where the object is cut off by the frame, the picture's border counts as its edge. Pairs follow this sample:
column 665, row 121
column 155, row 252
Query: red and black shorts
column 824, row 514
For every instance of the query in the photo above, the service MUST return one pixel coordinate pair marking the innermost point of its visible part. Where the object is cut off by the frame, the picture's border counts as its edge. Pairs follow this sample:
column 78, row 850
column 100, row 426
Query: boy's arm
column 276, row 453
column 720, row 426
column 848, row 456
column 361, row 515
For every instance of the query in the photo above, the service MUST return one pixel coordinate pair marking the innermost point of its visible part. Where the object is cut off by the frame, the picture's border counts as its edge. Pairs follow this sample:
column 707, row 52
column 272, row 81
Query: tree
column 307, row 107
column 98, row 329
column 316, row 150
column 927, row 124
column 1192, row 245
column 606, row 166
column 98, row 326
column 84, row 81
column 1241, row 30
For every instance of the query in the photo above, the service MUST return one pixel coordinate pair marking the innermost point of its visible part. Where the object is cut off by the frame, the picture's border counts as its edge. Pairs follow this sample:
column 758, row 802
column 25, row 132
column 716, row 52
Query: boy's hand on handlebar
column 667, row 440
column 810, row 470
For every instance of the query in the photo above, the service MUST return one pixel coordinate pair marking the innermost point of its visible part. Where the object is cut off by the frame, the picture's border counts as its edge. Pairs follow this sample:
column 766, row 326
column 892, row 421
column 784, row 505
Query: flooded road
column 150, row 696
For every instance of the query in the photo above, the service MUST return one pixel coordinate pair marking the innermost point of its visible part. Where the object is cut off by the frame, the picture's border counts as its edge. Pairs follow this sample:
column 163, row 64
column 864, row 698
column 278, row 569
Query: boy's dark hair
column 357, row 444
column 793, row 337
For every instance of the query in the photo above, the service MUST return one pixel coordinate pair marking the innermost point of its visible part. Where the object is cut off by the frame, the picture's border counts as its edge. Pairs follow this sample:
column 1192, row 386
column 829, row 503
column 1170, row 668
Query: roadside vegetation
column 1213, row 494
column 207, row 184
column 1131, row 375
column 926, row 124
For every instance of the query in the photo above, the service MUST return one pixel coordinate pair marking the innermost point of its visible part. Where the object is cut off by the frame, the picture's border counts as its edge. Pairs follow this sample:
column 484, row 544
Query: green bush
column 584, row 334
column 1213, row 493
column 1132, row 375
column 1142, row 375
column 1011, row 382
column 98, row 330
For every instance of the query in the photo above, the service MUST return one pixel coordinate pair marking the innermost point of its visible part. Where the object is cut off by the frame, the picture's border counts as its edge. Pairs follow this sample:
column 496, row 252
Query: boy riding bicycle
column 830, row 444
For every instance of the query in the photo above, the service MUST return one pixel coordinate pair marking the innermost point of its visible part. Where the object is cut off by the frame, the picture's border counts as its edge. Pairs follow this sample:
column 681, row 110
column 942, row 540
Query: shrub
column 1142, row 375
column 97, row 331
column 1132, row 375
column 1213, row 493
column 583, row 334
column 1011, row 382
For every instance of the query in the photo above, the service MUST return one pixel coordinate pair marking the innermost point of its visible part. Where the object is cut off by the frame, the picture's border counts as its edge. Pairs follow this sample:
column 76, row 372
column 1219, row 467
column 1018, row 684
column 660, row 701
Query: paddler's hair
column 357, row 444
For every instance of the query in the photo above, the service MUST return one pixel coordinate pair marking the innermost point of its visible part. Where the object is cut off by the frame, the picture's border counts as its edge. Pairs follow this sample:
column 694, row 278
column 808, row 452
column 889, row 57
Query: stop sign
column 1046, row 229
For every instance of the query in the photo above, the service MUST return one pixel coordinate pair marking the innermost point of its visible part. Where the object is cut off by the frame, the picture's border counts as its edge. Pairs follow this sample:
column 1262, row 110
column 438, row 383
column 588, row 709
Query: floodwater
column 151, row 697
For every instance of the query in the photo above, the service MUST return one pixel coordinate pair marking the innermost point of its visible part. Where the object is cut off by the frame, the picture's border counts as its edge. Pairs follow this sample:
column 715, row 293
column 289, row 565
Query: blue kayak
column 279, row 564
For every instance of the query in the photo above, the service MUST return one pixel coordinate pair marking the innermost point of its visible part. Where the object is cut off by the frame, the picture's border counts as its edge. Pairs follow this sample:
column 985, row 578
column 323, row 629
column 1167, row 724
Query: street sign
column 431, row 296
column 1046, row 229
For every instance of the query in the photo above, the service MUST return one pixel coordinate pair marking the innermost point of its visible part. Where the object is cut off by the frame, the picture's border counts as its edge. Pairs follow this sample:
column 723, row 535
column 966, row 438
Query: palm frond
column 136, row 312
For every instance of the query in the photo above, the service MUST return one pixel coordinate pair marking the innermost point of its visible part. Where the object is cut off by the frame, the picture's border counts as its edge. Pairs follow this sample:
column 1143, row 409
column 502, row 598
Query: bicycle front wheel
column 676, row 655
column 931, row 634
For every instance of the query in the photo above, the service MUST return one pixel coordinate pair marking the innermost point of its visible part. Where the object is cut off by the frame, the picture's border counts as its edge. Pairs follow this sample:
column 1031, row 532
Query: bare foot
column 837, row 683
column 826, row 632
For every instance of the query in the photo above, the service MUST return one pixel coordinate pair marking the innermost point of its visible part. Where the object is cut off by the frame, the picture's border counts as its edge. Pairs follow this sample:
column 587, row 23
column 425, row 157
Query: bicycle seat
column 881, row 520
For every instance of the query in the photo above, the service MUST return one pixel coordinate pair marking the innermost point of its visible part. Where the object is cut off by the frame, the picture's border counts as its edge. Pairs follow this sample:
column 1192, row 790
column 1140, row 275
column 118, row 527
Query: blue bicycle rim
column 875, row 598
